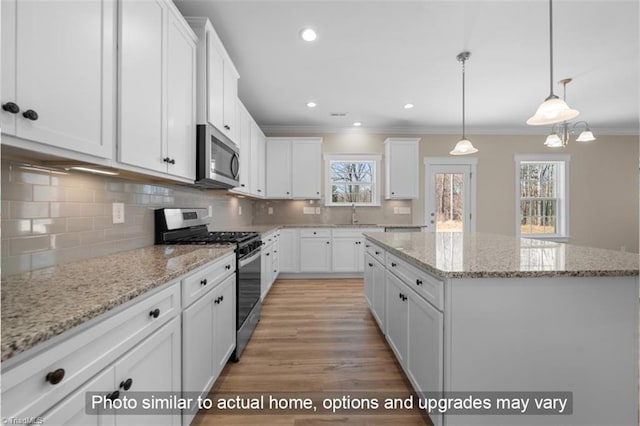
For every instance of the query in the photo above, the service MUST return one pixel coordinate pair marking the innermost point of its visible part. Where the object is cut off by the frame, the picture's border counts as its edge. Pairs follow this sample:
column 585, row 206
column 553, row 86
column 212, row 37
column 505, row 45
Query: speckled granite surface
column 44, row 303
column 476, row 255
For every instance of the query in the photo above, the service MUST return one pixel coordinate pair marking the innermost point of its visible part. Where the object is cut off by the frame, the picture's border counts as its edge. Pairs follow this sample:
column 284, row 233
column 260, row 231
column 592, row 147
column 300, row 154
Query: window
column 541, row 196
column 352, row 179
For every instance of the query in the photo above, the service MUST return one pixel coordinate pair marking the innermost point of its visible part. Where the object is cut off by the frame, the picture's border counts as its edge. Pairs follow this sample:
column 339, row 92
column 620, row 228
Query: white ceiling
column 372, row 57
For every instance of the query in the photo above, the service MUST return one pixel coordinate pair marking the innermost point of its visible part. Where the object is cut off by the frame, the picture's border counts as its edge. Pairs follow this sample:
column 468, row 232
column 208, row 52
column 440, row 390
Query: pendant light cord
column 550, row 48
column 463, row 97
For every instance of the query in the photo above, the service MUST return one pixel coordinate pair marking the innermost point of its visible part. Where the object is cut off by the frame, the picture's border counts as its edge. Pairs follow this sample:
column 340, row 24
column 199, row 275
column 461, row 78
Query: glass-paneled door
column 448, row 204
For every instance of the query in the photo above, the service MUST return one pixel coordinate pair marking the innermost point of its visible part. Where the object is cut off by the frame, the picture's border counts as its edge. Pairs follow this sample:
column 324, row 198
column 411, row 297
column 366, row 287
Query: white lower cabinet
column 208, row 339
column 396, row 321
column 403, row 302
column 375, row 289
column 424, row 357
column 153, row 366
column 270, row 265
column 315, row 254
column 347, row 254
column 289, row 250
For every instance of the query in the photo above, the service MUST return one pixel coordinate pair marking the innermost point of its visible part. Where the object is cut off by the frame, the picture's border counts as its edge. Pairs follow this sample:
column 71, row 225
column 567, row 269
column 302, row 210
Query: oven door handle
column 253, row 257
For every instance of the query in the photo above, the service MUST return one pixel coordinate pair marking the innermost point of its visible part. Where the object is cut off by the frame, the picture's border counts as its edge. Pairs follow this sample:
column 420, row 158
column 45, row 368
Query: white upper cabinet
column 278, row 168
column 293, row 167
column 401, row 168
column 156, row 114
column 251, row 142
column 217, row 98
column 244, row 144
column 258, row 160
column 58, row 74
column 181, row 92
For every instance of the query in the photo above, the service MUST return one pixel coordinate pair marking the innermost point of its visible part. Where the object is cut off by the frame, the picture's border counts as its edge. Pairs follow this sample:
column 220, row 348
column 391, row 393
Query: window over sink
column 352, row 179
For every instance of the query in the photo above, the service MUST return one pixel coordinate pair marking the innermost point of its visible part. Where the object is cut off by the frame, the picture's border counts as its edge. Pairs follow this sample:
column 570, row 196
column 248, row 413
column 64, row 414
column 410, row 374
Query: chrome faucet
column 353, row 214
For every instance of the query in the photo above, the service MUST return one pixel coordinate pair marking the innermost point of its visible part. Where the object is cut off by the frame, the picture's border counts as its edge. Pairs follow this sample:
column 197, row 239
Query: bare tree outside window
column 352, row 182
column 539, row 198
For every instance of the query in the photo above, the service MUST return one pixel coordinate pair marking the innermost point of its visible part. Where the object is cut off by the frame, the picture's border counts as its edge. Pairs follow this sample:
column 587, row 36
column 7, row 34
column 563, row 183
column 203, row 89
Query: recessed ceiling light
column 357, row 124
column 308, row 34
column 408, row 106
column 311, row 104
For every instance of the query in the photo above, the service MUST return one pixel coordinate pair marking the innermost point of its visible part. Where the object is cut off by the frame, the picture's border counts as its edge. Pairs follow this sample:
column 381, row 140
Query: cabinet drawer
column 315, row 233
column 28, row 393
column 423, row 283
column 270, row 238
column 205, row 279
column 375, row 251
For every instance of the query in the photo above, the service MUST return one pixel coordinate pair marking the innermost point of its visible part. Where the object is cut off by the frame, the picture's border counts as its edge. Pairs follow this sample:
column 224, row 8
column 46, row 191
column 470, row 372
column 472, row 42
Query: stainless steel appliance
column 188, row 226
column 217, row 160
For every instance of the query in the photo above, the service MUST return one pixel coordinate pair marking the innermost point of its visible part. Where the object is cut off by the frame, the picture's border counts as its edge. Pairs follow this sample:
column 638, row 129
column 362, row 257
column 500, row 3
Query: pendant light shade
column 586, row 136
column 553, row 109
column 553, row 141
column 464, row 145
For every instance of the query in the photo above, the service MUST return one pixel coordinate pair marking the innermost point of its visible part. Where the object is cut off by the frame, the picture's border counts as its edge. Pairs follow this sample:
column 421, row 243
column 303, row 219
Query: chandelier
column 561, row 132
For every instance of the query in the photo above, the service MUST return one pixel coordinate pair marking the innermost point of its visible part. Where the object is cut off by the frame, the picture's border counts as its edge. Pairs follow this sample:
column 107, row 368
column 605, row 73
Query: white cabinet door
column 345, row 253
column 142, row 80
column 58, row 61
column 265, row 270
column 181, row 106
column 306, row 161
column 224, row 336
column 425, row 348
column 72, row 410
column 401, row 161
column 278, row 168
column 315, row 255
column 396, row 316
column 198, row 371
column 257, row 161
column 262, row 162
column 230, row 101
column 246, row 154
column 289, row 250
column 152, row 366
column 215, row 80
column 379, row 294
column 368, row 281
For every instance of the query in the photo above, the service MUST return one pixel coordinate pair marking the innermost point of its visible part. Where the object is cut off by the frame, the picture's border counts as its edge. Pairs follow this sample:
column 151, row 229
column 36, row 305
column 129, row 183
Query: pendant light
column 464, row 146
column 553, row 109
column 561, row 132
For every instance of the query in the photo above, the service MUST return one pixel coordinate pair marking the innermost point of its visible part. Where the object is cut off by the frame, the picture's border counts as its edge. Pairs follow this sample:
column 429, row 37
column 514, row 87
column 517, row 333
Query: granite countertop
column 265, row 229
column 478, row 255
column 41, row 304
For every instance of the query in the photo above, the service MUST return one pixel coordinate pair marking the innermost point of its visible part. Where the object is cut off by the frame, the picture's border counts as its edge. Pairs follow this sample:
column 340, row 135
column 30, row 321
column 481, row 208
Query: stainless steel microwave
column 218, row 160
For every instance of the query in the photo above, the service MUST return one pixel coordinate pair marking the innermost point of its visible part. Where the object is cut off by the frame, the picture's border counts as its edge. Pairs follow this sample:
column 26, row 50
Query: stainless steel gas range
column 189, row 226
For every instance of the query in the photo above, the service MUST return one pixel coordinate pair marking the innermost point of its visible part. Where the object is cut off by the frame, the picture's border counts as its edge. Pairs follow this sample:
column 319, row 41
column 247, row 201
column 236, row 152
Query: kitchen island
column 505, row 323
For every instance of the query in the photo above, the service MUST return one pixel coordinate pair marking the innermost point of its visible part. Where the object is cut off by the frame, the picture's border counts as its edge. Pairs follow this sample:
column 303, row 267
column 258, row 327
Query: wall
column 603, row 185
column 50, row 218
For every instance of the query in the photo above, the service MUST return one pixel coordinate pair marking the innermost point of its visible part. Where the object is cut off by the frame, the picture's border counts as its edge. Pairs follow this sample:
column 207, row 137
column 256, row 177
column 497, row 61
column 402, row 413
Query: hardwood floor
column 316, row 339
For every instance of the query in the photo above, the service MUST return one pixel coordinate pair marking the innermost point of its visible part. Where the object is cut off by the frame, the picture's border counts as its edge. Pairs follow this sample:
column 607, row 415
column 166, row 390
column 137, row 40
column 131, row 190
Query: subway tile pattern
column 49, row 218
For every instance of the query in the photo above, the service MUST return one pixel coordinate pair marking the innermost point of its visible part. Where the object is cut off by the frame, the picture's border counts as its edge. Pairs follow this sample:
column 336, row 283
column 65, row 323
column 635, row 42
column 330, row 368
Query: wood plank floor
column 316, row 338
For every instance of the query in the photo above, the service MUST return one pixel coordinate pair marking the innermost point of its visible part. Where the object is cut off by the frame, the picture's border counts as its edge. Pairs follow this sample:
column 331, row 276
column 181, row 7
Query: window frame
column 376, row 189
column 562, row 209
